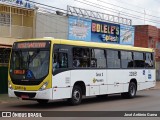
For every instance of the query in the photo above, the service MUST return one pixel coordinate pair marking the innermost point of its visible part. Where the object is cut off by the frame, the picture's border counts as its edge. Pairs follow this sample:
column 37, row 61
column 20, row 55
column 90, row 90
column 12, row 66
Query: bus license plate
column 24, row 96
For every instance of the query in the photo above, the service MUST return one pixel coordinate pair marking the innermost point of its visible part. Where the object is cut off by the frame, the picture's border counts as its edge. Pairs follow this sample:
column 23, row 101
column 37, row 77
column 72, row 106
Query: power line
column 126, row 8
column 126, row 14
column 47, row 5
column 137, row 6
column 142, row 32
column 123, row 13
column 81, row 14
column 122, row 8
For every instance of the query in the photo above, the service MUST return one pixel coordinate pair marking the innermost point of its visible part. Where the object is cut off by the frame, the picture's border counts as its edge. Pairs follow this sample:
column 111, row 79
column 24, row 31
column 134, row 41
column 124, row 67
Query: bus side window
column 139, row 60
column 63, row 60
column 113, row 59
column 93, row 62
column 60, row 60
column 126, row 59
column 81, row 57
column 149, row 60
column 98, row 58
column 55, row 62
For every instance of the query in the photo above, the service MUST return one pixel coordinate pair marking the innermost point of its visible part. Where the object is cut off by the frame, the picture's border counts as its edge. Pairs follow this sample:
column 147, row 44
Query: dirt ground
column 157, row 85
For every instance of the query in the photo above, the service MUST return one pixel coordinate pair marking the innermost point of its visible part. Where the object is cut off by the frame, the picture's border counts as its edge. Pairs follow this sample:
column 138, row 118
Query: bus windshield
column 29, row 64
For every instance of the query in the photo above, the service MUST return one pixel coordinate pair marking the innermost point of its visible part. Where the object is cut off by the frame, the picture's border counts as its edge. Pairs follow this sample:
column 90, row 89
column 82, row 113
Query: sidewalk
column 5, row 99
column 157, row 85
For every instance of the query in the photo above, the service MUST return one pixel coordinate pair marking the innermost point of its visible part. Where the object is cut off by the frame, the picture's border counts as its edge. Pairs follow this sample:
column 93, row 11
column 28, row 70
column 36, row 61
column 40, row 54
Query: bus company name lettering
column 99, row 74
column 98, row 79
column 134, row 73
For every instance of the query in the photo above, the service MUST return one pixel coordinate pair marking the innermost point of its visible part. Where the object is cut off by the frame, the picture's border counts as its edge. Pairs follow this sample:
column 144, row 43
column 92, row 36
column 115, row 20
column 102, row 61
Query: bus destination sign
column 26, row 45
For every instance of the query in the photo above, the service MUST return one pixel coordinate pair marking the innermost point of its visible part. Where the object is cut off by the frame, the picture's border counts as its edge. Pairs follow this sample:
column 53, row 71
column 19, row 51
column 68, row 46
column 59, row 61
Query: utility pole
column 144, row 16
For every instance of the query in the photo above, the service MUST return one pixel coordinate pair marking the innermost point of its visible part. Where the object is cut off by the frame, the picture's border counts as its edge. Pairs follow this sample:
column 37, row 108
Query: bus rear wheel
column 76, row 96
column 131, row 91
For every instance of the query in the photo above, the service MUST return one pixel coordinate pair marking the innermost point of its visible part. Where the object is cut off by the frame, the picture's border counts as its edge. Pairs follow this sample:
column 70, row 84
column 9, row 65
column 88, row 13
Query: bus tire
column 131, row 91
column 42, row 102
column 76, row 96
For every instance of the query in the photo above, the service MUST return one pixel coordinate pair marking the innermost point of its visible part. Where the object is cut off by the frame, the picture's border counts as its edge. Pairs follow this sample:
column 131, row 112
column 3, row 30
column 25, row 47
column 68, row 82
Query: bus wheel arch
column 82, row 85
column 132, row 89
column 77, row 92
column 134, row 81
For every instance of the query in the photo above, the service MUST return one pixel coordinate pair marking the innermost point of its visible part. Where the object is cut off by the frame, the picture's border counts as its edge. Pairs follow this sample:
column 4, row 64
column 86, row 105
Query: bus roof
column 90, row 44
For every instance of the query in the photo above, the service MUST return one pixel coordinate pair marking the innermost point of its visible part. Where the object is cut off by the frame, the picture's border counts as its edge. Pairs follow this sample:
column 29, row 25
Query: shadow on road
column 63, row 103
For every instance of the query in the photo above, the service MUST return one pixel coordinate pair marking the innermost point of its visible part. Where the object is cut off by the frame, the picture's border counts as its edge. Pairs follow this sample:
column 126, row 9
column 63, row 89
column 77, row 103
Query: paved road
column 147, row 100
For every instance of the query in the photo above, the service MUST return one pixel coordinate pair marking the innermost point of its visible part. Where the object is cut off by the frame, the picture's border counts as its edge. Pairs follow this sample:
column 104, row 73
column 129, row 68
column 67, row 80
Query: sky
column 139, row 11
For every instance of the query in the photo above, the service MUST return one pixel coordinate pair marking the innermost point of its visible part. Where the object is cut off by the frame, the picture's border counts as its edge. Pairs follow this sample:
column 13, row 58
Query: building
column 85, row 26
column 51, row 25
column 16, row 22
column 149, row 36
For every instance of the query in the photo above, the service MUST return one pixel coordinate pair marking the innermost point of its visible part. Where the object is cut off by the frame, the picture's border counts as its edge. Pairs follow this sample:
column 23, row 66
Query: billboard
column 127, row 35
column 97, row 31
column 79, row 29
column 105, row 32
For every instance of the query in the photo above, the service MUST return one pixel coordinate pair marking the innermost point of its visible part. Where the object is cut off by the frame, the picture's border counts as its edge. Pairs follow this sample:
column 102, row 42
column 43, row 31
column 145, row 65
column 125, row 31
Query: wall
column 149, row 37
column 51, row 25
column 15, row 23
column 141, row 36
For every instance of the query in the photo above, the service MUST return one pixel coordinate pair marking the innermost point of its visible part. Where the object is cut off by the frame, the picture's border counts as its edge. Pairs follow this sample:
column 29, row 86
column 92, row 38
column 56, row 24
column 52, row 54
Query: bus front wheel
column 131, row 91
column 76, row 96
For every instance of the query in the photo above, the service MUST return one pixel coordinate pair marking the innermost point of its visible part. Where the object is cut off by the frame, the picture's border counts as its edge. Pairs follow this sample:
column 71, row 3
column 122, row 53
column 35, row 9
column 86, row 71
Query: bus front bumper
column 44, row 94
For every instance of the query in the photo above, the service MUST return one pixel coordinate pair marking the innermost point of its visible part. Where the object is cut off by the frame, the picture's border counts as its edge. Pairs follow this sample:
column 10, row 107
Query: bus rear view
column 29, row 70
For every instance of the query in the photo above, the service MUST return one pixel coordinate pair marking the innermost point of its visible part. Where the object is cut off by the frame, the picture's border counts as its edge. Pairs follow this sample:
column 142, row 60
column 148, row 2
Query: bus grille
column 30, row 95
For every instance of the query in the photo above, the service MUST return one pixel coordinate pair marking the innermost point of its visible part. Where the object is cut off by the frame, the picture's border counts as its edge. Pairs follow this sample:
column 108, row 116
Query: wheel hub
column 76, row 95
column 132, row 90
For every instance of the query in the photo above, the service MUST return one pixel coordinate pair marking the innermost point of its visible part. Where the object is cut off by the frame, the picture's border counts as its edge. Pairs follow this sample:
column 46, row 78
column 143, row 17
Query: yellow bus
column 51, row 69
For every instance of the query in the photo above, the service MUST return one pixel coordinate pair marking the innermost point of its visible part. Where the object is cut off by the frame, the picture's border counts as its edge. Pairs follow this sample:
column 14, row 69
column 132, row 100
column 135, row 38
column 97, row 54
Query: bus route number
column 132, row 73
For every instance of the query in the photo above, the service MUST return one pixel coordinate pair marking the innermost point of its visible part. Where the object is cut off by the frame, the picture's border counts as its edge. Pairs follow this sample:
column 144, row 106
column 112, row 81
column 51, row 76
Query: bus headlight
column 43, row 86
column 10, row 86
